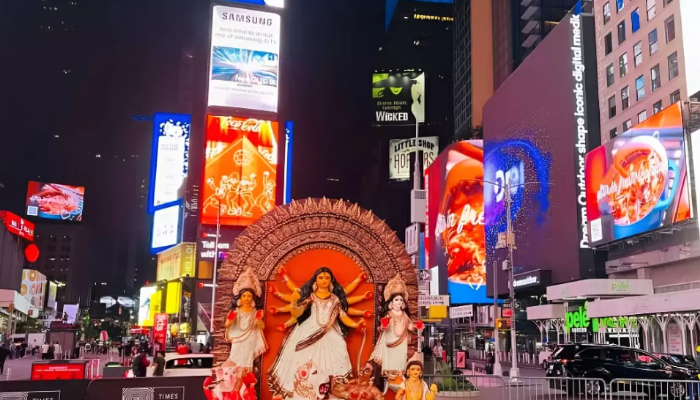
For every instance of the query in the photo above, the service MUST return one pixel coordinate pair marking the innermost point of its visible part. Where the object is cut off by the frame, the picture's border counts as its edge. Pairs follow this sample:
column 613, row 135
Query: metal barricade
column 525, row 388
column 462, row 386
column 653, row 389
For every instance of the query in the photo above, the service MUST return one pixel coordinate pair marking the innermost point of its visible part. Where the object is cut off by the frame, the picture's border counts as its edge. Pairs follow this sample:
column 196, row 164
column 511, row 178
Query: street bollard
column 9, row 372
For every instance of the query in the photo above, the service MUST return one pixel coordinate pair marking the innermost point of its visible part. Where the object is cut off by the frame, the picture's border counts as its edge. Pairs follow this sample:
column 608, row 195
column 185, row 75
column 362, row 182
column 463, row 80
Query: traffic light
column 503, row 323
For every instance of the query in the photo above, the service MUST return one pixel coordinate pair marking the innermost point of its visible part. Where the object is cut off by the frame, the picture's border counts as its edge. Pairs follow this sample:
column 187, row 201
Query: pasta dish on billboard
column 240, row 173
column 54, row 201
column 638, row 182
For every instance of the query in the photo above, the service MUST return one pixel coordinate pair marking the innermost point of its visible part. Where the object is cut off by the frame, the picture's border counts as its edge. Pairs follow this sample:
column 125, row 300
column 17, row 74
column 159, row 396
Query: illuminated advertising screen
column 54, row 201
column 240, row 172
column 638, row 182
column 173, row 297
column 160, row 328
column 398, row 97
column 51, row 295
column 145, row 304
column 454, row 229
column 33, row 287
column 169, row 159
column 18, row 225
column 166, row 228
column 270, row 3
column 400, row 151
column 176, row 262
column 244, row 59
column 536, row 145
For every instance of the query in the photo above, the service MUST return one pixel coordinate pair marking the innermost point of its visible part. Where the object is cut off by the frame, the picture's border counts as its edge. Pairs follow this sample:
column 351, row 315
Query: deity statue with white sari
column 391, row 349
column 244, row 323
column 315, row 350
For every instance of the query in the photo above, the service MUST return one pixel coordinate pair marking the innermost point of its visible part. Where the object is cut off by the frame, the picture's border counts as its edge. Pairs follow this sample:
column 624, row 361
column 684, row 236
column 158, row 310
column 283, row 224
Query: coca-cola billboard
column 240, row 172
column 454, row 229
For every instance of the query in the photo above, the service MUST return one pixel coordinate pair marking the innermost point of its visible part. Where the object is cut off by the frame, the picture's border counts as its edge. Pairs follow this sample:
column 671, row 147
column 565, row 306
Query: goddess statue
column 244, row 323
column 414, row 388
column 391, row 350
column 320, row 311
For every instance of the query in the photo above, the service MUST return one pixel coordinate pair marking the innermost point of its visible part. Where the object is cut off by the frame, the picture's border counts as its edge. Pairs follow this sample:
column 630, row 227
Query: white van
column 185, row 365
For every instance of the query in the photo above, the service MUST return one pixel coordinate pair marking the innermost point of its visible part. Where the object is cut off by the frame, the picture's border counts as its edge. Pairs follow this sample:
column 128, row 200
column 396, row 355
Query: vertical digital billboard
column 536, row 136
column 169, row 159
column 454, row 229
column 638, row 182
column 398, row 97
column 240, row 172
column 244, row 59
column 166, row 228
column 33, row 288
column 51, row 295
column 145, row 304
column 55, row 201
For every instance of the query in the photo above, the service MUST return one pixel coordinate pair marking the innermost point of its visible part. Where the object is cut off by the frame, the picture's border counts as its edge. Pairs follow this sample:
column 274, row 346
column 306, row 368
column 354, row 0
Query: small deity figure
column 391, row 350
column 244, row 323
column 413, row 387
column 367, row 386
column 321, row 313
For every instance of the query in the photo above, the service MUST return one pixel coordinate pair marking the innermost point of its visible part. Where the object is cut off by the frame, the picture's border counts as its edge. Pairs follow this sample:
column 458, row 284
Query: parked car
column 603, row 363
column 186, row 365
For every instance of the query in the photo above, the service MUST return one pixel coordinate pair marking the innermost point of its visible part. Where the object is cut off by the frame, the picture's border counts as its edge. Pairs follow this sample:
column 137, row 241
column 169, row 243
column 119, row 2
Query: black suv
column 608, row 362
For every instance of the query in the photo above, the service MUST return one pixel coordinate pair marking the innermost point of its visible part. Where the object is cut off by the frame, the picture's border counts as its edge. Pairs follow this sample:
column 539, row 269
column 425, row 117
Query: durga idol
column 320, row 312
column 244, row 325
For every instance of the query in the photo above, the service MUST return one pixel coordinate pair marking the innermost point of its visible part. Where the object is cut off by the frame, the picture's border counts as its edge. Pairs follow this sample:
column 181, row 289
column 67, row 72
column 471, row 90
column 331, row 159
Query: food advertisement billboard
column 55, row 201
column 400, row 151
column 166, row 228
column 536, row 146
column 244, row 59
column 638, row 182
column 240, row 172
column 33, row 287
column 398, row 97
column 454, row 229
column 145, row 305
column 169, row 159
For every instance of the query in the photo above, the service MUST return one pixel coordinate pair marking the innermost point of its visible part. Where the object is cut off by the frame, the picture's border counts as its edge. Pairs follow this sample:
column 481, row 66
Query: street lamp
column 510, row 244
column 216, row 264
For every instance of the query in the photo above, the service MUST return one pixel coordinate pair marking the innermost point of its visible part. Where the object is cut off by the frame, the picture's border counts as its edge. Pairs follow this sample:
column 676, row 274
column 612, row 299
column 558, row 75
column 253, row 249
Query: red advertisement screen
column 18, row 225
column 54, row 201
column 638, row 181
column 55, row 371
column 160, row 328
column 241, row 170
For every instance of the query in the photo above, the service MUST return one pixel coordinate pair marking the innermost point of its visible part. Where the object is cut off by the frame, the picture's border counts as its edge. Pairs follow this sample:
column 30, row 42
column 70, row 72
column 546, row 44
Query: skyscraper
column 473, row 68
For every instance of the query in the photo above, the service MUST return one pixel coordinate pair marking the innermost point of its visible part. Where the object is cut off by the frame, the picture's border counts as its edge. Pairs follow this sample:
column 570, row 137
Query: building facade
column 641, row 61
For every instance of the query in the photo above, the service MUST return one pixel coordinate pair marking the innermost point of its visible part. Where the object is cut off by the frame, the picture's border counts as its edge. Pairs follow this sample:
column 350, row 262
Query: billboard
column 145, row 304
column 240, row 171
column 537, row 145
column 400, row 155
column 51, row 295
column 55, row 201
column 70, row 313
column 173, row 297
column 176, row 262
column 166, row 228
column 169, row 159
column 398, row 97
column 160, row 328
column 33, row 287
column 638, row 182
column 18, row 225
column 454, row 229
column 244, row 59
column 271, row 3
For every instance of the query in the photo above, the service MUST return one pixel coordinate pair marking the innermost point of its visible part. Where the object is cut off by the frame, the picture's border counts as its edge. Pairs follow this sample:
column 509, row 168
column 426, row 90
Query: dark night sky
column 112, row 59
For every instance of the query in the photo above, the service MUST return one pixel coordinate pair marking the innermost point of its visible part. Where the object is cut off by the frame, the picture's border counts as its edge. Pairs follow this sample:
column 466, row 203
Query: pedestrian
column 45, row 351
column 57, row 350
column 4, row 353
column 159, row 364
column 50, row 354
column 490, row 361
